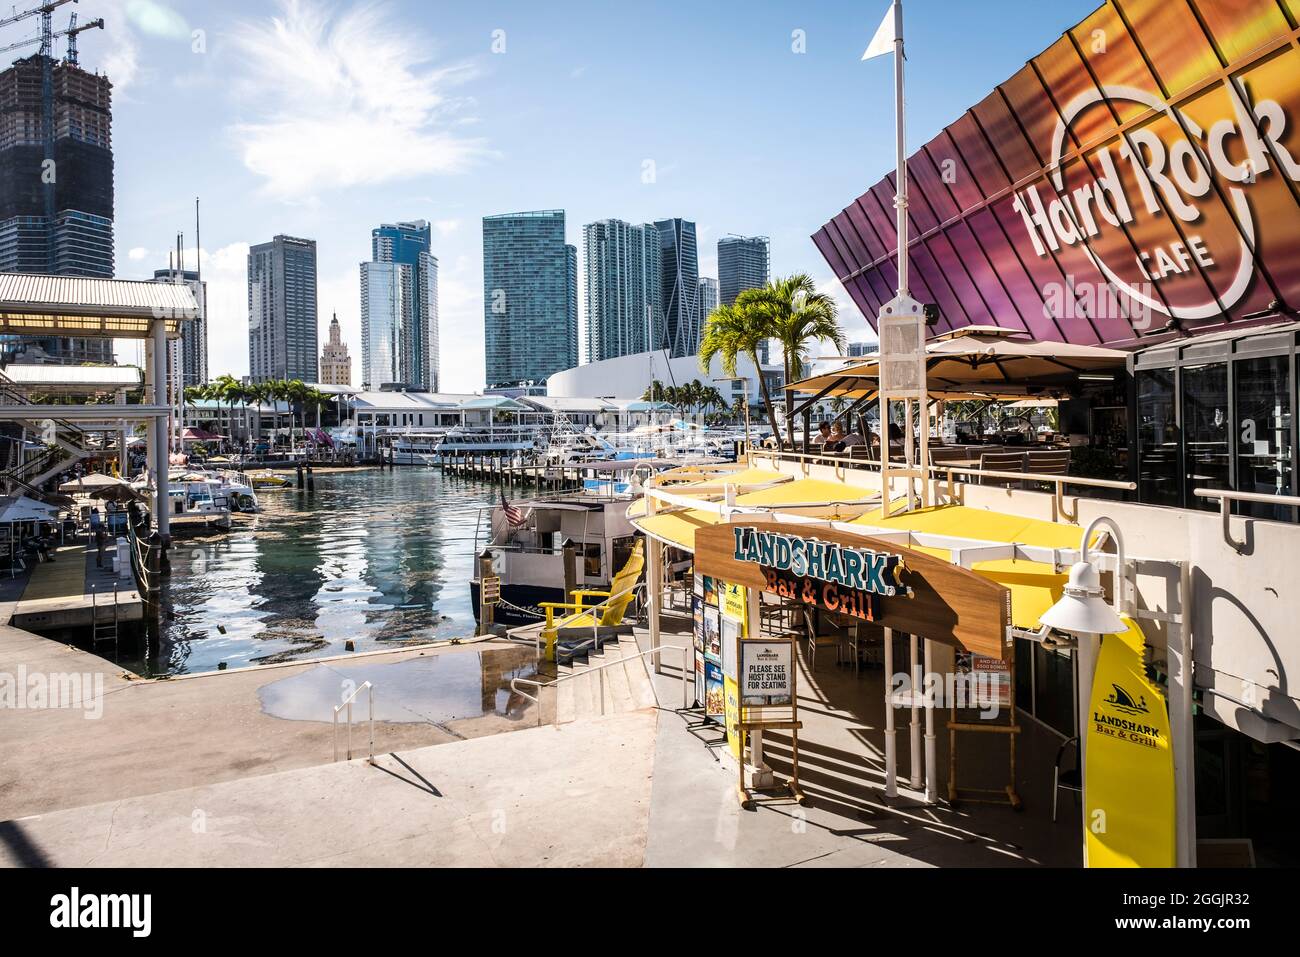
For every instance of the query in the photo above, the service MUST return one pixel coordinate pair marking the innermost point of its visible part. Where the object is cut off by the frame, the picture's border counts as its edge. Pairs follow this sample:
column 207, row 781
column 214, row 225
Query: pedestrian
column 100, row 538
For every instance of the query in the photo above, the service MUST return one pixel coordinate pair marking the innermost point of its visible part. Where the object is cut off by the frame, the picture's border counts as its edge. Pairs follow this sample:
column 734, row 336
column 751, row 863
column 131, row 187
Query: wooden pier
column 497, row 468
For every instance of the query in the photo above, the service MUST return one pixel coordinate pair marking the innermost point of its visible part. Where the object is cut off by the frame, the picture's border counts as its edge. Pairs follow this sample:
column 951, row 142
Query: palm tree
column 739, row 330
column 225, row 388
column 798, row 315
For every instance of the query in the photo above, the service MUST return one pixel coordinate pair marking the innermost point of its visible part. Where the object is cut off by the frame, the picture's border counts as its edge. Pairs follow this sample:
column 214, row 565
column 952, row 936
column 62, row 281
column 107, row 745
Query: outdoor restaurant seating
column 1001, row 462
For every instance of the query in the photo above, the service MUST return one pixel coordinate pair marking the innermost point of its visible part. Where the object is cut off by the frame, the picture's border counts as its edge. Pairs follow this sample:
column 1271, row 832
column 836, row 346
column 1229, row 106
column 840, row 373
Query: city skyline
column 285, row 130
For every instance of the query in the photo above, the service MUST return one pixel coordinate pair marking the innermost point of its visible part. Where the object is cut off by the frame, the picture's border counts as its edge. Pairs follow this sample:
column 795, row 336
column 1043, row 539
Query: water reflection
column 379, row 557
column 431, row 689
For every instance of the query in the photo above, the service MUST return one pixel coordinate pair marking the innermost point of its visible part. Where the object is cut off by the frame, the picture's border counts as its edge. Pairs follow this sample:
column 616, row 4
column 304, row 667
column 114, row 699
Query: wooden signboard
column 861, row 577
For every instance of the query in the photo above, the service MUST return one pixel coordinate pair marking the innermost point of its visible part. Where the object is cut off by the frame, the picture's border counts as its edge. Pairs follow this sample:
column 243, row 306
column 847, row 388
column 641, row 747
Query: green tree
column 798, row 315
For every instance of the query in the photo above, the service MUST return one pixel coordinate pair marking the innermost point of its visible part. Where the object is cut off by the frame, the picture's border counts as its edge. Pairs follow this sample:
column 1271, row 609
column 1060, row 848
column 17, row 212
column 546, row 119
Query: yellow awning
column 961, row 521
column 805, row 491
column 677, row 528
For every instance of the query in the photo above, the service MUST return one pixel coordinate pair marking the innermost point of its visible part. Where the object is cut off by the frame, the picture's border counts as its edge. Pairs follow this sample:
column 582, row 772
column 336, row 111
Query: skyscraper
column 191, row 349
column 708, row 297
column 680, row 280
column 399, row 308
column 335, row 363
column 282, row 336
column 742, row 264
column 621, row 289
column 56, row 210
column 530, row 297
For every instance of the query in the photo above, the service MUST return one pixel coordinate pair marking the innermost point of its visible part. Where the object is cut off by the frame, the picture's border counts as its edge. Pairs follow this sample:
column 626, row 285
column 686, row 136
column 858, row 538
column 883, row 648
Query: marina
column 956, row 531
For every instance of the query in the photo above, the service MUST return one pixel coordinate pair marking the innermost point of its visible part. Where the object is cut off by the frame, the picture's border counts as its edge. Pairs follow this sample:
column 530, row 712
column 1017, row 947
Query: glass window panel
column 1265, row 450
column 1054, row 689
column 1205, row 431
column 1157, row 438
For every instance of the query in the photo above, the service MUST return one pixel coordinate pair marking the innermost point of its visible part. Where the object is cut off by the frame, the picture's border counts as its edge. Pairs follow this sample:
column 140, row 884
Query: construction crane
column 71, row 34
column 44, row 11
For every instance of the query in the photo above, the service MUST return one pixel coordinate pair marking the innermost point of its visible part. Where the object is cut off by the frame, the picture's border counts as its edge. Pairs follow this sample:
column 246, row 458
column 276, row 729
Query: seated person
column 823, row 433
column 835, row 439
column 851, row 439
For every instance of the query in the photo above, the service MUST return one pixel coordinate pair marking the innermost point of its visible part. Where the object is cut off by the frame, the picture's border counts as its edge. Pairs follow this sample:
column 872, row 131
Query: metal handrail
column 1227, row 496
column 347, row 703
column 656, row 650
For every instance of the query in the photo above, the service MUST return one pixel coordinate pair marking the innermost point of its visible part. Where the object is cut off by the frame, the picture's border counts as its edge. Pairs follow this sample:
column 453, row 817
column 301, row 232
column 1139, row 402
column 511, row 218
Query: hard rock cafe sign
column 1175, row 175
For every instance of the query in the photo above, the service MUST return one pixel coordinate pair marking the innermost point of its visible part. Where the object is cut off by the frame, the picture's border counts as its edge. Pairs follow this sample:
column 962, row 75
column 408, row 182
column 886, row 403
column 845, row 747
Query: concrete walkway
column 139, row 737
column 576, row 795
column 190, row 773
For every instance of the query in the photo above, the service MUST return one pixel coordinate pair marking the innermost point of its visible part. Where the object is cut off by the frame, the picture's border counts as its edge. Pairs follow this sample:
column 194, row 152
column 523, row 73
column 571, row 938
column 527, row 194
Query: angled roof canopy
column 978, row 361
column 32, row 304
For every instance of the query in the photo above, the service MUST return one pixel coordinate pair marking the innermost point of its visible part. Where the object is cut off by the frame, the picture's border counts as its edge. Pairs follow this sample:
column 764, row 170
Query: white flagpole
column 900, row 199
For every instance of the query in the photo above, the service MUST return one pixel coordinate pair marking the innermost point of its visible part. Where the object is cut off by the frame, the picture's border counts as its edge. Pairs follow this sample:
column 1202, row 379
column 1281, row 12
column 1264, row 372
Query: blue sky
column 324, row 119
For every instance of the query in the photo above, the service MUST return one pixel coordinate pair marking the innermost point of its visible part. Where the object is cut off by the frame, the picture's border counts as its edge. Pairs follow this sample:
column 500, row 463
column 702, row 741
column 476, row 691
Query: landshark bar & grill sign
column 853, row 579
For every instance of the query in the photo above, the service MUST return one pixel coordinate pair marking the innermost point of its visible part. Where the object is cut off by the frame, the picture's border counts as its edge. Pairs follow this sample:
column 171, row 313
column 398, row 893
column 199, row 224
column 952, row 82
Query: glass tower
column 530, row 297
column 679, row 286
column 621, row 290
column 406, row 348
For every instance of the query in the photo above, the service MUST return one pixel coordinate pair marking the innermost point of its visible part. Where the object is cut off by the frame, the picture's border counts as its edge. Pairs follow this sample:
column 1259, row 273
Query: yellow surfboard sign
column 1129, row 772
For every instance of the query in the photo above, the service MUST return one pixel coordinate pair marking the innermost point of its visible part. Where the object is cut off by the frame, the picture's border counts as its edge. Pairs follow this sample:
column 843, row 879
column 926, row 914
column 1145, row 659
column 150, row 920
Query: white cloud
column 157, row 19
column 121, row 63
column 137, row 253
column 345, row 100
column 446, row 227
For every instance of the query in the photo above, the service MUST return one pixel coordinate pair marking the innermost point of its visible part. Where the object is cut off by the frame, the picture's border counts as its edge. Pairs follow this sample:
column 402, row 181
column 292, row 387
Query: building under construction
column 57, row 218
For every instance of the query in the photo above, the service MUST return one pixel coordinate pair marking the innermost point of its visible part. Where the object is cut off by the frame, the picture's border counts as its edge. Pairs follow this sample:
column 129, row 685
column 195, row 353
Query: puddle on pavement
column 430, row 689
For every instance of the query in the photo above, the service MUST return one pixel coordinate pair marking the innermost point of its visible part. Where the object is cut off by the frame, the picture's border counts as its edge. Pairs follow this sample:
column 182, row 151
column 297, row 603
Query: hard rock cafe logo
column 1171, row 178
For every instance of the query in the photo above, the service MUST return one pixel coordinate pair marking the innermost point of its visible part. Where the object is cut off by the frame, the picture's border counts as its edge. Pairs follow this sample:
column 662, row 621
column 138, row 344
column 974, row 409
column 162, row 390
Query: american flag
column 513, row 515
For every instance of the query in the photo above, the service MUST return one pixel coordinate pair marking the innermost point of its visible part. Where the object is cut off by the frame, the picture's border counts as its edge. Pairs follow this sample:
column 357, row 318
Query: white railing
column 946, row 472
column 347, row 703
column 1227, row 496
column 600, row 669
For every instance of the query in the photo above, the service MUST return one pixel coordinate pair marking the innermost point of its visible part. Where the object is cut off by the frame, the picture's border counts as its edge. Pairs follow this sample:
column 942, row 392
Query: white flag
column 890, row 29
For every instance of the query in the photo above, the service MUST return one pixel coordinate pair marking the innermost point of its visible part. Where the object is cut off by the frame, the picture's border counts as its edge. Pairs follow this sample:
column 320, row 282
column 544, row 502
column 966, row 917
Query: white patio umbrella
column 88, row 483
column 20, row 508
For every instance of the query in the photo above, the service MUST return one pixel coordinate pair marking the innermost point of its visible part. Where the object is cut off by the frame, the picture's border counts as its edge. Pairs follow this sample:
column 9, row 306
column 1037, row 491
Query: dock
column 497, row 468
column 73, row 592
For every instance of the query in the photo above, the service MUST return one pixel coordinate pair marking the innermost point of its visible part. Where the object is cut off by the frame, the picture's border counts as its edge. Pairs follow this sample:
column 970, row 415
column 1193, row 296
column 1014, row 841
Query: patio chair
column 1068, row 780
column 600, row 620
column 816, row 641
column 1048, row 462
column 1001, row 462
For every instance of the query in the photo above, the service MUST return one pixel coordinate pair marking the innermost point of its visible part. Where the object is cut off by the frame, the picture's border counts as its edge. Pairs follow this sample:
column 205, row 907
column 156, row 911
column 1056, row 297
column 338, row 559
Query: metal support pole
column 931, row 753
column 891, row 735
column 162, row 517
column 915, row 664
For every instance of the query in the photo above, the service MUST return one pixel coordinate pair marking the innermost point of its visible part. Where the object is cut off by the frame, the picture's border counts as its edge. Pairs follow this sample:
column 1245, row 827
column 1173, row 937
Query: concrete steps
column 626, row 684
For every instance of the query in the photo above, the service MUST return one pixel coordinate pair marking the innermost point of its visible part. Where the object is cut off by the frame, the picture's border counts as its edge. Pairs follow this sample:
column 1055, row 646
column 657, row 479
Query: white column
column 931, row 754
column 162, row 518
column 1180, row 725
column 915, row 664
column 654, row 586
column 891, row 744
column 1085, row 657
